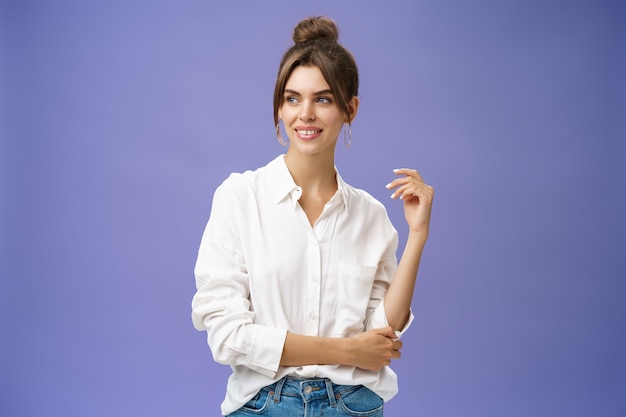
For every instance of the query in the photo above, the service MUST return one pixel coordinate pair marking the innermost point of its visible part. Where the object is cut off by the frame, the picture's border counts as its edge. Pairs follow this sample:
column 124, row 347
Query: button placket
column 314, row 287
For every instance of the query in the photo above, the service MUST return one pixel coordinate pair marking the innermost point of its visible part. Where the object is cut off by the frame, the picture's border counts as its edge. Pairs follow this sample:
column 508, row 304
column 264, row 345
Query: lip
column 301, row 136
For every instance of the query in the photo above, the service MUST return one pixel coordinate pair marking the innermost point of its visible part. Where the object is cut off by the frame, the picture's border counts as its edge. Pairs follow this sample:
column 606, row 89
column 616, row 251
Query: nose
column 307, row 112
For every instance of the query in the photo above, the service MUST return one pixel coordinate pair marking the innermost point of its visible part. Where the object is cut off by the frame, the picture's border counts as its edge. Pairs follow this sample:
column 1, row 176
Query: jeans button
column 308, row 389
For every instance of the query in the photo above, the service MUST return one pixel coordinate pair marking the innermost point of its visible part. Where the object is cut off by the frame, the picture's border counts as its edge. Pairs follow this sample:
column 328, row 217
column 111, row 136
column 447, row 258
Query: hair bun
column 313, row 28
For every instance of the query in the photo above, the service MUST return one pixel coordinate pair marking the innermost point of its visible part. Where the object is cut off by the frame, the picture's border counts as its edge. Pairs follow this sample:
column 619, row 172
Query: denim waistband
column 309, row 389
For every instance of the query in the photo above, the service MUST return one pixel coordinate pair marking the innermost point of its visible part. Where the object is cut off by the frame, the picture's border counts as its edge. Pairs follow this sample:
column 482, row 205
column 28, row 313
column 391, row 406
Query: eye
column 291, row 99
column 324, row 100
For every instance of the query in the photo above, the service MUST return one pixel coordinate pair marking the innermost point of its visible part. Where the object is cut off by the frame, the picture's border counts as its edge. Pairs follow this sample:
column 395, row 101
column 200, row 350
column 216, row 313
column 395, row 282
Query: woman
column 298, row 286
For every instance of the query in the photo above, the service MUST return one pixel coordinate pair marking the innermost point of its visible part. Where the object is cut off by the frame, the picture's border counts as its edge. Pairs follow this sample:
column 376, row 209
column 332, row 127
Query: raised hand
column 417, row 197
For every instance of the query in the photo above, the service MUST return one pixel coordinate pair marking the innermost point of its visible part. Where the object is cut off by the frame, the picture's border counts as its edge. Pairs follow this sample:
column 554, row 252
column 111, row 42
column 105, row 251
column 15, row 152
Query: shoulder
column 240, row 184
column 359, row 197
column 362, row 202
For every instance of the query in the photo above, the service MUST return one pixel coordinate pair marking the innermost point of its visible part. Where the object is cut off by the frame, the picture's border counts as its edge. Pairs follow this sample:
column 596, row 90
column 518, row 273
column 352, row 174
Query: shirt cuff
column 265, row 356
column 379, row 319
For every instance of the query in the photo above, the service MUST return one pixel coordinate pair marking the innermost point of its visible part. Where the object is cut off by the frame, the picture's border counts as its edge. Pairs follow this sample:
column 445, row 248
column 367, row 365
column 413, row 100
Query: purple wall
column 119, row 119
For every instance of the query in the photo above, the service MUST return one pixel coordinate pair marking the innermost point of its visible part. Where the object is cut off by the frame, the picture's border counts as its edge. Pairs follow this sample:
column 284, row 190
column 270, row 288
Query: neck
column 312, row 172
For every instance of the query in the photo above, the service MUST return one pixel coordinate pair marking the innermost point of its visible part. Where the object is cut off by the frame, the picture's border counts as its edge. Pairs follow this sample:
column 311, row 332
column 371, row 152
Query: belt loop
column 278, row 389
column 330, row 392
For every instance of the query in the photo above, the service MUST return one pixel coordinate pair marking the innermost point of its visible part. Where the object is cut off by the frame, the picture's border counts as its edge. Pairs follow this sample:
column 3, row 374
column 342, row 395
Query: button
column 314, row 279
column 308, row 389
column 313, row 316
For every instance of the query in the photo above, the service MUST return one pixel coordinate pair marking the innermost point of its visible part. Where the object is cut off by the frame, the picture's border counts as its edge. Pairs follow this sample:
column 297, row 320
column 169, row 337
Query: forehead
column 304, row 79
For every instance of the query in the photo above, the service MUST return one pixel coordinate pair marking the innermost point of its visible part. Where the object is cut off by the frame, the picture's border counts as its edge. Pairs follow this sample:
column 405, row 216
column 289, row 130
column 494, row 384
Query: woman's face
column 310, row 113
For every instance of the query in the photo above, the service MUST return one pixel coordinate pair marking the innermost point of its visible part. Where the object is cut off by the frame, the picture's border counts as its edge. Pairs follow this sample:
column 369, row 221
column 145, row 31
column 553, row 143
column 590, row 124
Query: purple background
column 120, row 118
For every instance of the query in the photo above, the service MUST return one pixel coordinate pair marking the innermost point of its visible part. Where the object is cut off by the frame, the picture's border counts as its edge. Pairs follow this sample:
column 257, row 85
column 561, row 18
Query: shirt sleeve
column 221, row 305
column 376, row 317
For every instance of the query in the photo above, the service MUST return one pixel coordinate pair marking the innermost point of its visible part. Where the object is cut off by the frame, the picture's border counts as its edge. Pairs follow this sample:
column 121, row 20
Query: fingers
column 397, row 344
column 387, row 332
column 391, row 349
column 394, row 352
column 408, row 172
column 410, row 176
column 411, row 184
column 404, row 191
column 377, row 348
column 401, row 185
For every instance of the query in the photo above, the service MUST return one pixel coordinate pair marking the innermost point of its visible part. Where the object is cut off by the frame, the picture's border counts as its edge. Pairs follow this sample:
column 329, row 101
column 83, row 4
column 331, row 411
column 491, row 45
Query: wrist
column 417, row 236
column 346, row 351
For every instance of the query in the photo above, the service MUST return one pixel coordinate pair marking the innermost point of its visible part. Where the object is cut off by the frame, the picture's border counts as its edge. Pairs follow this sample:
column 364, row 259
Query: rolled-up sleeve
column 376, row 316
column 221, row 304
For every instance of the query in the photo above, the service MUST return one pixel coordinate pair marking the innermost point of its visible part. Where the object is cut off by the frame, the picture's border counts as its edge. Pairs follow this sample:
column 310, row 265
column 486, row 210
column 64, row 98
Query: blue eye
column 291, row 99
column 324, row 100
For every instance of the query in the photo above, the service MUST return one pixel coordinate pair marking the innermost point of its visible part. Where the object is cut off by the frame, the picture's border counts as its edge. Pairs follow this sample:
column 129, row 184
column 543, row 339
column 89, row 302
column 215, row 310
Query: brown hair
column 316, row 45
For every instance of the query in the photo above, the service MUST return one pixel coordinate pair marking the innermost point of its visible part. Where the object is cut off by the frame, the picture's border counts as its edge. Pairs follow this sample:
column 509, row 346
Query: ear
column 280, row 113
column 353, row 107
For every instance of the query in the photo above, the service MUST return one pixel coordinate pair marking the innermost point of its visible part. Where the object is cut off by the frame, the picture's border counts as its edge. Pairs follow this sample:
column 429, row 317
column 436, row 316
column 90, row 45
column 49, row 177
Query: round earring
column 347, row 138
column 279, row 136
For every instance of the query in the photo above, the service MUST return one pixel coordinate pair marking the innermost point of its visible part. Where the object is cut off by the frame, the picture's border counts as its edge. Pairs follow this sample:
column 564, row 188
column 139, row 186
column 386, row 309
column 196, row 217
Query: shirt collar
column 281, row 178
column 343, row 189
column 284, row 184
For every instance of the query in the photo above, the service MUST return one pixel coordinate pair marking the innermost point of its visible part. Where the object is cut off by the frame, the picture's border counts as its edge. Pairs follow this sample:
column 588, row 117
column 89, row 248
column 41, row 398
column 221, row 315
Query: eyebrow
column 317, row 93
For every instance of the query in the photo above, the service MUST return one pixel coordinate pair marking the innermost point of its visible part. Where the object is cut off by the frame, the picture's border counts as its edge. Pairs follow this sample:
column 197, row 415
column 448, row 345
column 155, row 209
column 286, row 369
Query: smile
column 307, row 132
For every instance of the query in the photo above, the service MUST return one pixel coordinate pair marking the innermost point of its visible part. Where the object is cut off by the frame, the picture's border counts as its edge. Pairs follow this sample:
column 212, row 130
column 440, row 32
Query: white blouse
column 262, row 270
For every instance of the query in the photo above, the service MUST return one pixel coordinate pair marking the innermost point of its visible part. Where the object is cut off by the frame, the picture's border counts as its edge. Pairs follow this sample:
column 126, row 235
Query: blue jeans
column 315, row 397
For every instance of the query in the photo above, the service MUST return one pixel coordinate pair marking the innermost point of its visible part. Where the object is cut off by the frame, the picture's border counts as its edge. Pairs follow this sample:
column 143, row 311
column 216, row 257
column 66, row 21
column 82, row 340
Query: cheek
column 287, row 113
column 335, row 119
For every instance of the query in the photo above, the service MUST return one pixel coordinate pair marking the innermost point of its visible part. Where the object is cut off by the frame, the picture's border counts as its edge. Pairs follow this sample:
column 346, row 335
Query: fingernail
column 393, row 195
column 396, row 170
column 401, row 196
column 388, row 185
